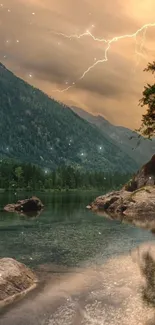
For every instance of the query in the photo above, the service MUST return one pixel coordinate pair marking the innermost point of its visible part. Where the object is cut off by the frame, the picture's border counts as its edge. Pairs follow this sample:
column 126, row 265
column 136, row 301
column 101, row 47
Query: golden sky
column 32, row 49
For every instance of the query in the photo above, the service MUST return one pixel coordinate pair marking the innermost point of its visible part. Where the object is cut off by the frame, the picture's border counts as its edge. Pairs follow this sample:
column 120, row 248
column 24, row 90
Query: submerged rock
column 27, row 205
column 136, row 200
column 15, row 280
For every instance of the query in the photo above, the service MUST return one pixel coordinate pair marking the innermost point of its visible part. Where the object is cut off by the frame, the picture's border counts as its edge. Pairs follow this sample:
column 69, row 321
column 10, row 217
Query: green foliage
column 38, row 129
column 16, row 175
column 148, row 99
column 19, row 175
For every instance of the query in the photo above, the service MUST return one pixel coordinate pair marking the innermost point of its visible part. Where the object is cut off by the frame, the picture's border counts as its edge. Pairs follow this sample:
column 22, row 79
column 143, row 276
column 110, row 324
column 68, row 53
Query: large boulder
column 27, row 205
column 15, row 280
column 138, row 205
column 135, row 201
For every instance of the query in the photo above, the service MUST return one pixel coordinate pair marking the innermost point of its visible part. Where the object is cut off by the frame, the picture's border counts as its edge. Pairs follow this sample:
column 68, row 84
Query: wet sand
column 110, row 294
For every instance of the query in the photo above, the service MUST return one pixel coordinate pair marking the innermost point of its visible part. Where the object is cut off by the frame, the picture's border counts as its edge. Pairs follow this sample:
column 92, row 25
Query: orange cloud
column 112, row 89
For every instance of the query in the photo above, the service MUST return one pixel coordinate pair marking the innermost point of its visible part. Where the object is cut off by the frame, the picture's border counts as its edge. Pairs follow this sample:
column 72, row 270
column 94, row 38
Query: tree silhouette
column 148, row 119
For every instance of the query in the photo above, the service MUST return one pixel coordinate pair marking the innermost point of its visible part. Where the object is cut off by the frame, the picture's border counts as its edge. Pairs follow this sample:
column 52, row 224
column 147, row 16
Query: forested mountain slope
column 35, row 128
column 138, row 148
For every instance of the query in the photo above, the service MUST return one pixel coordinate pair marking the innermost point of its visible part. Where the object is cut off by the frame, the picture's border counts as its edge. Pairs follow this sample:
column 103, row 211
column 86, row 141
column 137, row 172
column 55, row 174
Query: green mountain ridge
column 138, row 148
column 38, row 129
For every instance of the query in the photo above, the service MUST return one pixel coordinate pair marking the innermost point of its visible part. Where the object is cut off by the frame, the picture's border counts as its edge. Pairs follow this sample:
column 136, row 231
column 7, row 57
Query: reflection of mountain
column 37, row 129
column 139, row 149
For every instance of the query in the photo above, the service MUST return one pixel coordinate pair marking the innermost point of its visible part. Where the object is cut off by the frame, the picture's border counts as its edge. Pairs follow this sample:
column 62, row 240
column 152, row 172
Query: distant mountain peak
column 137, row 147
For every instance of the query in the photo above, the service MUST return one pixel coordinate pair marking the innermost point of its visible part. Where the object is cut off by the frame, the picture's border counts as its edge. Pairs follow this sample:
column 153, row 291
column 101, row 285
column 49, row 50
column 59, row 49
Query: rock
column 135, row 201
column 109, row 201
column 144, row 177
column 15, row 280
column 138, row 205
column 141, row 203
column 27, row 205
column 30, row 214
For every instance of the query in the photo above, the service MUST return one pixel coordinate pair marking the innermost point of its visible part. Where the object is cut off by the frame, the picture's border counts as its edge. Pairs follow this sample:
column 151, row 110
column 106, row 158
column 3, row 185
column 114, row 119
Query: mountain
column 137, row 147
column 38, row 129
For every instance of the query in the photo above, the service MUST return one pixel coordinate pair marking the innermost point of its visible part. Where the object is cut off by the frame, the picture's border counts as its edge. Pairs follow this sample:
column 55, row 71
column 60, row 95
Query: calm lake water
column 65, row 233
column 104, row 288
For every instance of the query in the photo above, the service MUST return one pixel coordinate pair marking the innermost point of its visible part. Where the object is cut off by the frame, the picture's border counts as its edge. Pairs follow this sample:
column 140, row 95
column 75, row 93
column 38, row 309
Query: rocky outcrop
column 144, row 177
column 15, row 280
column 135, row 201
column 138, row 204
column 28, row 205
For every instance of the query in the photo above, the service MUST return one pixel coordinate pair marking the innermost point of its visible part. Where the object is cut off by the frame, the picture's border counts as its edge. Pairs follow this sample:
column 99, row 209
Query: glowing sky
column 30, row 47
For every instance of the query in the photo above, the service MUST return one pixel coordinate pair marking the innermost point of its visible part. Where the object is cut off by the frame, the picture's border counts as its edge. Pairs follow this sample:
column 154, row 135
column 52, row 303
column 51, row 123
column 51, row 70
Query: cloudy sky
column 31, row 45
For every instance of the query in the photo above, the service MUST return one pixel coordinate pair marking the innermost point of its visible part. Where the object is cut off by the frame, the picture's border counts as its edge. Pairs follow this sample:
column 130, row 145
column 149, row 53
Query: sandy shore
column 111, row 294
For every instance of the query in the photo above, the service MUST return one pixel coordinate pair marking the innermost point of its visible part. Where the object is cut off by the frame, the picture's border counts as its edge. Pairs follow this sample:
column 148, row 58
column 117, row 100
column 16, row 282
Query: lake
column 66, row 235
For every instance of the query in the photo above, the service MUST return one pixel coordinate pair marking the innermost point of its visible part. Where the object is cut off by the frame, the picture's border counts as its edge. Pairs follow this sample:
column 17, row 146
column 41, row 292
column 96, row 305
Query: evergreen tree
column 14, row 174
column 148, row 99
column 19, row 174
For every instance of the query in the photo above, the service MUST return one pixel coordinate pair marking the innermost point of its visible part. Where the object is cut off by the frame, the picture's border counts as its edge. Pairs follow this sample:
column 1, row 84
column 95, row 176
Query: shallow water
column 105, row 286
column 65, row 233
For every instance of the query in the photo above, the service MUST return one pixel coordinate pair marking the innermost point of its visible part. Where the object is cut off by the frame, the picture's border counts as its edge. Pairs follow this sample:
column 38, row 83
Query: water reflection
column 87, row 275
column 65, row 233
column 144, row 221
column 112, row 293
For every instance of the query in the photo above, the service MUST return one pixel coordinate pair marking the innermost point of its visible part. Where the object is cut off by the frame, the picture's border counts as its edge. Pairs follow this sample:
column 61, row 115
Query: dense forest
column 38, row 129
column 15, row 175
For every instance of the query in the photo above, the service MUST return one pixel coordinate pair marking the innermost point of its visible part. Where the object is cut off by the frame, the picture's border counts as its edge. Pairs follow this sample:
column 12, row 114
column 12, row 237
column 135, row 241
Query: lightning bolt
column 108, row 42
column 139, row 49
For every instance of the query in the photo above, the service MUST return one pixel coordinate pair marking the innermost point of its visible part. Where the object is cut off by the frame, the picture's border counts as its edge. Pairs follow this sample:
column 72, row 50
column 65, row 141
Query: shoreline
column 117, row 290
column 3, row 191
column 137, row 207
